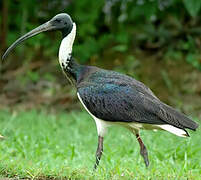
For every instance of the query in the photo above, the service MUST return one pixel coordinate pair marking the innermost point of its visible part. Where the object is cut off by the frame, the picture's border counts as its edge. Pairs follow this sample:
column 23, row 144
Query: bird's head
column 61, row 22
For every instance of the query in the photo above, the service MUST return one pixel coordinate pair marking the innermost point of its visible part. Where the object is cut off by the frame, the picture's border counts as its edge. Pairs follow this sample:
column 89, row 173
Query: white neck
column 65, row 49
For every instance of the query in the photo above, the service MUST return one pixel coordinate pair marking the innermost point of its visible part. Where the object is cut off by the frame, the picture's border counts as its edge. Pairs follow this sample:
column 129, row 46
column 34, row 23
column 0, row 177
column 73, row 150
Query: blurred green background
column 155, row 41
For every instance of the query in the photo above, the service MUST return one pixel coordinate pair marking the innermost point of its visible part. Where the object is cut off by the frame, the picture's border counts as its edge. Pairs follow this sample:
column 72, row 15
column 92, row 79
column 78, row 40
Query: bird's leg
column 99, row 151
column 143, row 150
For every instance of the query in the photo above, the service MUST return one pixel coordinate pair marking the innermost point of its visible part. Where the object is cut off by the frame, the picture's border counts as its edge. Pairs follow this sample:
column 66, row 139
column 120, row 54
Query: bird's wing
column 111, row 96
column 111, row 102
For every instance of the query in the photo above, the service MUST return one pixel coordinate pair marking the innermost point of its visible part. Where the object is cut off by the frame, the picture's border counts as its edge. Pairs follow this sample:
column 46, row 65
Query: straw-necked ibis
column 111, row 98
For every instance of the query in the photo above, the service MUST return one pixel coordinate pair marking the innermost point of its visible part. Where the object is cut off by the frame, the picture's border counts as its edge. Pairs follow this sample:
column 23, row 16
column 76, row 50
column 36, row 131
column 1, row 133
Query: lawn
column 44, row 145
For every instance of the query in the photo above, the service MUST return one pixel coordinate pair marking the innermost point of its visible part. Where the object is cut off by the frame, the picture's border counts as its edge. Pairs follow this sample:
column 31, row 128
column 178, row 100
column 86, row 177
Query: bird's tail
column 179, row 119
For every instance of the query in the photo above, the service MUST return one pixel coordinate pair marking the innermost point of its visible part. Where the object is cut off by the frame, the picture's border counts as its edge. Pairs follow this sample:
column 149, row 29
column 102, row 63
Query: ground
column 47, row 136
column 39, row 144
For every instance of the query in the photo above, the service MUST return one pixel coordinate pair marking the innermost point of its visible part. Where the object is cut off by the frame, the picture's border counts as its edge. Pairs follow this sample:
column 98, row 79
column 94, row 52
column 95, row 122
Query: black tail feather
column 177, row 119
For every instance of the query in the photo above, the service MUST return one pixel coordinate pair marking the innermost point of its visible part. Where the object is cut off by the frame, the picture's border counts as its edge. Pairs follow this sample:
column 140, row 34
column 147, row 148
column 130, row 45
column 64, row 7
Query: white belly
column 100, row 124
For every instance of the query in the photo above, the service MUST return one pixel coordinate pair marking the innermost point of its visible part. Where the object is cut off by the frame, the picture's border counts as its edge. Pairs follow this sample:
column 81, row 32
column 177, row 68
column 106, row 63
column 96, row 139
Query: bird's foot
column 99, row 151
column 96, row 164
column 144, row 154
column 143, row 150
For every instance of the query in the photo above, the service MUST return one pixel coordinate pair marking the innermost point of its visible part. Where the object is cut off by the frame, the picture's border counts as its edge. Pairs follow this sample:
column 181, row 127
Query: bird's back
column 112, row 96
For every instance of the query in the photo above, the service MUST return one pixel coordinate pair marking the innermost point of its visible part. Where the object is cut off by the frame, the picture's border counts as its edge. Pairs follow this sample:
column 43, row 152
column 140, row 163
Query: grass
column 42, row 145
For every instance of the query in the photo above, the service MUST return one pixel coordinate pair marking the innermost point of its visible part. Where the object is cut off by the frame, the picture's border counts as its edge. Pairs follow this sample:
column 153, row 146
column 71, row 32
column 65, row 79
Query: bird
column 111, row 98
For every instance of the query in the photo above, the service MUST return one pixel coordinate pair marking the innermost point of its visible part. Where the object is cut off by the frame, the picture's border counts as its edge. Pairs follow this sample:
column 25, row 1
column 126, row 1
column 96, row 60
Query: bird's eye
column 58, row 20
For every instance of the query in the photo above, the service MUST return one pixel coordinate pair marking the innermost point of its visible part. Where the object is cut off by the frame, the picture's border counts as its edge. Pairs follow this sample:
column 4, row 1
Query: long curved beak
column 44, row 27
